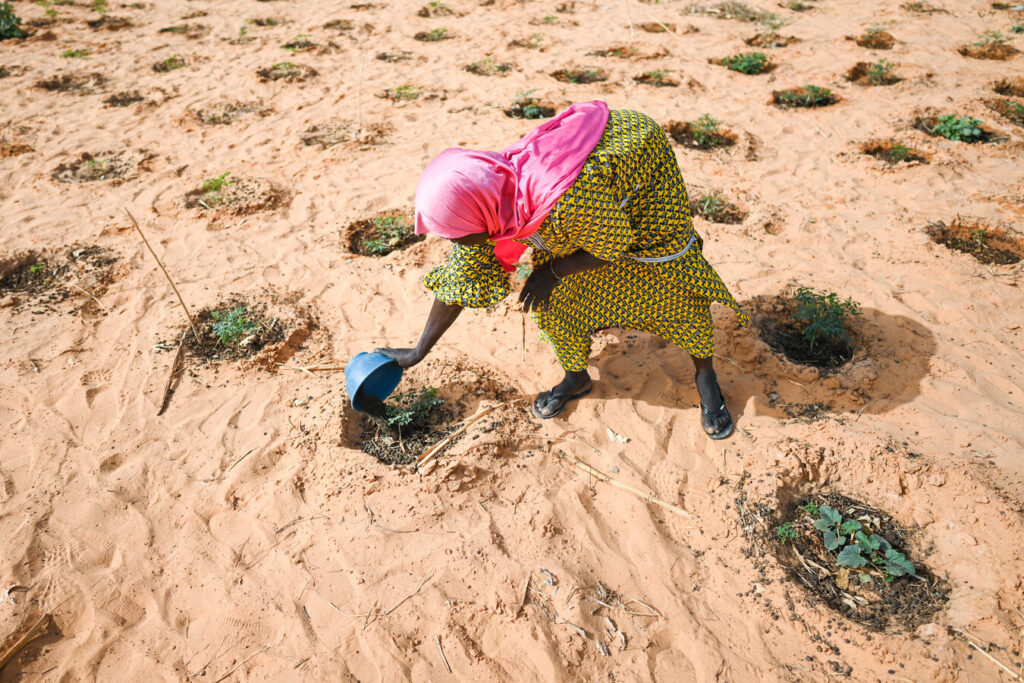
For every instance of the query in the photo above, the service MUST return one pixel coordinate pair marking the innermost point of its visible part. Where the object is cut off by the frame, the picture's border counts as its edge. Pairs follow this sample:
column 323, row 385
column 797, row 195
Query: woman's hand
column 538, row 288
column 405, row 358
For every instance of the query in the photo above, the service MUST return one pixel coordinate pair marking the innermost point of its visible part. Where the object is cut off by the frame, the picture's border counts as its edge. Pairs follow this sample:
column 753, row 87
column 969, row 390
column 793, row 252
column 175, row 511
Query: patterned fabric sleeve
column 599, row 225
column 472, row 277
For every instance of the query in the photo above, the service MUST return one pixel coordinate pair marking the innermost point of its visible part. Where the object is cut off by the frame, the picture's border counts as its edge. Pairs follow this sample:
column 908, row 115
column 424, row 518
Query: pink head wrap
column 508, row 194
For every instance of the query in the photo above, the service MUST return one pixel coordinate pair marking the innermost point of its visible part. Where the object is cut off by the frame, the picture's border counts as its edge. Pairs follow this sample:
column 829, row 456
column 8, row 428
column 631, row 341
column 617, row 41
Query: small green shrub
column 412, row 407
column 1017, row 28
column 808, row 96
column 705, row 131
column 76, row 54
column 231, row 327
column 526, row 106
column 823, row 316
column 749, row 63
column 403, row 93
column 99, row 6
column 433, row 35
column 786, row 532
column 9, row 22
column 213, row 186
column 170, row 64
column 857, row 547
column 963, row 128
column 387, row 233
column 488, row 67
column 899, row 152
column 880, row 73
column 991, row 38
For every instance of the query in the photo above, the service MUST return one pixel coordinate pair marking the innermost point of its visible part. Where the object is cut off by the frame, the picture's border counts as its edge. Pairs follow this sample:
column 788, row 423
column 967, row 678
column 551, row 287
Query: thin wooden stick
column 33, row 633
column 1014, row 674
column 649, row 497
column 439, row 446
column 241, row 663
column 166, row 274
column 87, row 293
column 170, row 378
column 443, row 658
column 522, row 601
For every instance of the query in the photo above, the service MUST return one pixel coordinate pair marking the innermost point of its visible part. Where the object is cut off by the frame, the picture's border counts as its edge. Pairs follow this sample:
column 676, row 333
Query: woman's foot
column 714, row 415
column 550, row 403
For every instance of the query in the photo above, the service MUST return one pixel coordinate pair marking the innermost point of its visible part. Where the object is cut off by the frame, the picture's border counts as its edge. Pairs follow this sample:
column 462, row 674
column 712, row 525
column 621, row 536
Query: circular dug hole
column 775, row 318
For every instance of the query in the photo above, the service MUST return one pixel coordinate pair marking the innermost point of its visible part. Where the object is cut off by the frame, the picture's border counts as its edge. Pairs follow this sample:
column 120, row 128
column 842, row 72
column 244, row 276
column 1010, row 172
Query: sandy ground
column 242, row 535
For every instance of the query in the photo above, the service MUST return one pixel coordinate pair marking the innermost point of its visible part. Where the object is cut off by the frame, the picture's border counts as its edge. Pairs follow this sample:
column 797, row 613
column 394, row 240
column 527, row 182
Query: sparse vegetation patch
column 811, row 327
column 526, row 106
column 9, row 22
column 957, row 128
column 717, row 209
column 382, row 234
column 287, row 72
column 991, row 45
column 987, row 244
column 659, row 78
column 580, row 75
column 233, row 330
column 807, row 96
column 489, row 67
column 434, row 35
column 397, row 431
column 893, row 152
column 878, row 73
column 172, row 63
column 78, row 84
column 1010, row 110
column 749, row 63
column 704, row 133
column 88, row 168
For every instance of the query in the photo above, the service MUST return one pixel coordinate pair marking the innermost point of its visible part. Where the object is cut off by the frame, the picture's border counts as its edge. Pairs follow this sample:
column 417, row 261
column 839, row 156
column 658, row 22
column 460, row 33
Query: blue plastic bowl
column 371, row 375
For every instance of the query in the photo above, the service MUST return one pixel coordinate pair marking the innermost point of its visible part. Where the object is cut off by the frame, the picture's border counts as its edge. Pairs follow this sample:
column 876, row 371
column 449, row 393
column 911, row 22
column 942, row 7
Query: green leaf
column 850, row 557
column 896, row 559
column 849, row 526
column 831, row 514
column 831, row 540
column 864, row 578
column 822, row 524
column 870, row 543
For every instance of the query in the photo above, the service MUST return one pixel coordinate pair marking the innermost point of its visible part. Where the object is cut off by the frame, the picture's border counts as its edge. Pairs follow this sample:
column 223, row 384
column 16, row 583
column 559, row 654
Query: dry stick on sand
column 649, row 497
column 37, row 630
column 235, row 668
column 170, row 378
column 431, row 452
column 970, row 641
column 443, row 658
column 160, row 263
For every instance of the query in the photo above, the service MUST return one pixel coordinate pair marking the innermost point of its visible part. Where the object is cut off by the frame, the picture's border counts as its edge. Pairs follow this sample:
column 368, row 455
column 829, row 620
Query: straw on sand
column 37, row 630
column 647, row 496
column 434, row 450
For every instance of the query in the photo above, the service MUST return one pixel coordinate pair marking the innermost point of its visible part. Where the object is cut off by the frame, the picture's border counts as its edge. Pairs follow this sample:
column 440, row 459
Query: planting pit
column 530, row 108
column 89, row 168
column 109, row 23
column 992, row 50
column 865, row 73
column 717, row 209
column 804, row 97
column 627, row 52
column 190, row 31
column 76, row 84
column 238, row 196
column 1010, row 86
column 986, row 244
column 226, row 113
column 326, row 135
column 893, row 152
column 232, row 330
column 46, row 277
column 1010, row 110
column 775, row 319
column 771, row 40
column 901, row 603
column 874, row 40
column 123, row 99
column 659, row 79
column 287, row 72
column 687, row 135
column 927, row 124
column 580, row 75
column 380, row 235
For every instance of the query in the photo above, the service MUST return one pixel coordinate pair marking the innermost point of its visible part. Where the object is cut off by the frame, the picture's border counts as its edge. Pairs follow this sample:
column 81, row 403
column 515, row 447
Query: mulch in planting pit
column 771, row 40
column 123, row 99
column 394, row 445
column 893, row 152
column 1010, row 86
column 530, row 108
column 239, row 197
column 226, row 113
column 380, row 235
column 580, row 75
column 1009, row 109
column 245, row 329
column 77, row 83
column 287, row 72
column 717, row 209
column 988, row 245
column 803, row 97
column 190, row 31
column 683, row 133
column 109, row 23
column 874, row 40
column 657, row 79
column 927, row 124
column 775, row 319
column 902, row 604
column 44, row 277
column 89, row 168
column 326, row 135
column 861, row 74
column 998, row 51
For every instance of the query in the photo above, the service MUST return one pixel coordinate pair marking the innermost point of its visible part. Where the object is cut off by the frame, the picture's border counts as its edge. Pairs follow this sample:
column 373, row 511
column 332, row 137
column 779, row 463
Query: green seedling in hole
column 880, row 72
column 899, row 152
column 751, row 63
column 76, row 54
column 9, row 22
column 979, row 236
column 811, row 508
column 991, row 38
column 488, row 67
column 170, row 64
column 1017, row 28
column 705, row 131
column 433, row 35
column 38, row 268
column 582, row 76
column 99, row 6
column 858, row 547
column 657, row 74
column 232, row 326
column 298, row 43
column 283, row 66
column 549, row 19
column 964, row 128
column 404, row 93
column 412, row 407
column 797, row 6
column 823, row 316
column 213, row 186
column 710, row 205
column 389, row 233
column 534, row 41
column 811, row 97
column 786, row 532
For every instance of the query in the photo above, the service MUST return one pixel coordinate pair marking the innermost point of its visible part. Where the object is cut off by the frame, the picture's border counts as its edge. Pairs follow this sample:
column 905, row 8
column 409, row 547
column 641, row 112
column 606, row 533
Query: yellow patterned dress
column 629, row 207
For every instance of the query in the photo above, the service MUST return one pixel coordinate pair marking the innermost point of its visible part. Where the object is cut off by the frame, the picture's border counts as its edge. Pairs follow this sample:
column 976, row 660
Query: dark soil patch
column 436, row 9
column 395, row 57
column 893, row 152
column 172, row 63
column 866, row 73
column 380, row 235
column 619, row 51
column 288, row 72
column 489, row 67
column 228, row 112
column 392, row 445
column 658, row 79
column 775, row 319
column 903, row 604
column 1010, row 86
column 657, row 27
column 6, row 71
column 717, row 209
column 927, row 124
column 986, row 244
column 434, row 35
column 530, row 108
column 89, row 168
column 300, row 45
column 874, row 40
column 109, row 23
column 998, row 51
column 326, row 135
column 13, row 149
column 45, row 277
column 580, row 75
column 922, row 8
column 239, row 197
column 78, row 84
column 190, row 31
column 123, row 99
column 683, row 133
column 1010, row 110
column 771, row 40
column 261, row 330
column 803, row 97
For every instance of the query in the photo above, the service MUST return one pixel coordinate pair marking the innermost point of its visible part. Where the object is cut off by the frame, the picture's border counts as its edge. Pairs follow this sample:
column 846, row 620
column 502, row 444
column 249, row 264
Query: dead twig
column 166, row 398
column 647, row 496
column 37, row 630
column 373, row 613
column 166, row 274
column 522, row 600
column 87, row 293
column 440, row 445
column 444, row 659
column 1013, row 674
column 234, row 668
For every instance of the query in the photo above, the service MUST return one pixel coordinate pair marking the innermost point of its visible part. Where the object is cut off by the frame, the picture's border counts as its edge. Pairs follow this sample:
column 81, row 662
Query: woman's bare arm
column 542, row 281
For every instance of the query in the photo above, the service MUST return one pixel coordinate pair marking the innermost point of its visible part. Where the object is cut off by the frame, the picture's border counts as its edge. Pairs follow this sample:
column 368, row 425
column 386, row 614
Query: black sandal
column 727, row 430
column 561, row 405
